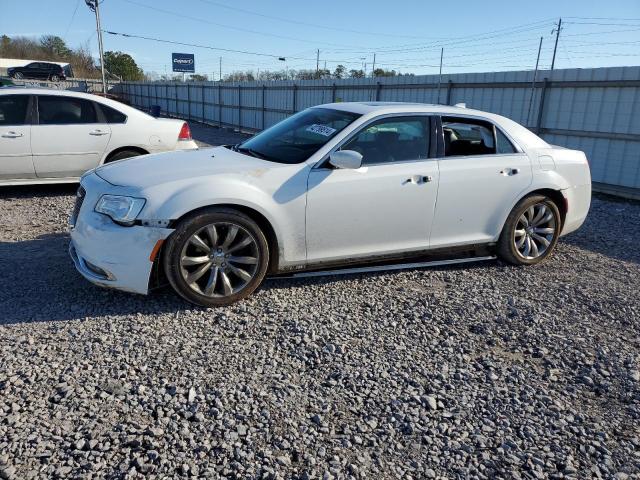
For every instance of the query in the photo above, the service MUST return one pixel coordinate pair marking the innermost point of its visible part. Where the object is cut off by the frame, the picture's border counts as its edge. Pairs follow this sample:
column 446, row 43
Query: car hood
column 150, row 170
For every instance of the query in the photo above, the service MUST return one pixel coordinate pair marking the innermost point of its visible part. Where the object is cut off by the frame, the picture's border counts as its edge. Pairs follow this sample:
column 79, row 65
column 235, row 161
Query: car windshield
column 298, row 137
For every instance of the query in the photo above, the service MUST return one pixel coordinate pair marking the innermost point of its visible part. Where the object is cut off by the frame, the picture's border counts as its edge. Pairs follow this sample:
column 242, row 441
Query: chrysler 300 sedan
column 334, row 185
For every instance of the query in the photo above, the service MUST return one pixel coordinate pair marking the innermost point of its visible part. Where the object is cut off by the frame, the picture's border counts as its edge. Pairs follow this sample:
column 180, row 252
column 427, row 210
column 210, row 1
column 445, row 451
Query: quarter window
column 503, row 144
column 112, row 115
column 13, row 109
column 59, row 110
column 392, row 140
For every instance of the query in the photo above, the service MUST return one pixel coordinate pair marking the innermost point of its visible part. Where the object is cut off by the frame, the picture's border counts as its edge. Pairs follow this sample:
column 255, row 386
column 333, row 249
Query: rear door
column 15, row 137
column 482, row 174
column 70, row 136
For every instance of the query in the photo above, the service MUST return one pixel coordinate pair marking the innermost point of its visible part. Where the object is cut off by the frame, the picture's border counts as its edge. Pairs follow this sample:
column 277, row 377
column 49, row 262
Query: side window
column 392, row 140
column 503, row 144
column 33, row 66
column 13, row 109
column 59, row 110
column 463, row 136
column 112, row 115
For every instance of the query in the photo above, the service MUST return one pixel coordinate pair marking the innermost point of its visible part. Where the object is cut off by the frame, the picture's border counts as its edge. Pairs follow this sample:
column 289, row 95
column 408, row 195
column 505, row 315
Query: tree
column 381, row 72
column 196, row 77
column 340, row 71
column 356, row 73
column 122, row 65
column 55, row 46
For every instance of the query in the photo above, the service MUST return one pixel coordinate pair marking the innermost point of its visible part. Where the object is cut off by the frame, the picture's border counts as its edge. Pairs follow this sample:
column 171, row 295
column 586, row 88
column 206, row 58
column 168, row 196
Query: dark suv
column 38, row 71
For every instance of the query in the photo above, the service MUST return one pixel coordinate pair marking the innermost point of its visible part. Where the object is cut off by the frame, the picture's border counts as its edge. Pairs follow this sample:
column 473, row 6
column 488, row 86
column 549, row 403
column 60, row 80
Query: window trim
column 323, row 163
column 103, row 115
column 28, row 118
column 441, row 152
column 98, row 113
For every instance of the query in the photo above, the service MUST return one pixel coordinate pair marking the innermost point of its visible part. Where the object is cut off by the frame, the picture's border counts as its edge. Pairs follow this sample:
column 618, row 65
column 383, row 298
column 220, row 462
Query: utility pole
column 220, row 78
column 533, row 82
column 556, row 30
column 373, row 69
column 317, row 61
column 440, row 74
column 94, row 6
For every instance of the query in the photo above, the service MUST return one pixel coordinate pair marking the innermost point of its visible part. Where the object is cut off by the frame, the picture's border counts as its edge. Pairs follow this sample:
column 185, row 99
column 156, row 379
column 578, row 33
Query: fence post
column 189, row 101
column 220, row 105
column 378, row 88
column 176, row 88
column 333, row 93
column 239, row 107
column 294, row 99
column 543, row 95
column 263, row 91
column 202, row 98
column 449, row 88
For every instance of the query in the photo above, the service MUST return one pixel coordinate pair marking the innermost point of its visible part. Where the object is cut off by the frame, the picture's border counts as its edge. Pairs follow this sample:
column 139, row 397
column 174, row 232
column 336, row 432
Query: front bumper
column 107, row 254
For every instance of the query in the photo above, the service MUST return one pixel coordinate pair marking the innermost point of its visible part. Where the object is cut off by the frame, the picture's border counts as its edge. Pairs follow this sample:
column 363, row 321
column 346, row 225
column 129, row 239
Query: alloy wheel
column 219, row 260
column 534, row 231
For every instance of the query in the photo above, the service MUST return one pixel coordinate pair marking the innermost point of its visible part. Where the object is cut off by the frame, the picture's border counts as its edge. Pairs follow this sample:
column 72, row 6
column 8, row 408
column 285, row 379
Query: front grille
column 76, row 208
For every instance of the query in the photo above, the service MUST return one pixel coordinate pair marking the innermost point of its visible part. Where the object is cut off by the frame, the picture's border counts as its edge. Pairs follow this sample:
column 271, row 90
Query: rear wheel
column 216, row 257
column 531, row 231
column 55, row 78
column 18, row 75
column 122, row 155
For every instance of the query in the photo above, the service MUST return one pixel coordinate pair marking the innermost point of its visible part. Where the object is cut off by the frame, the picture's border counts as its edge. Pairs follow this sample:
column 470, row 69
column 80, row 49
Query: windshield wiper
column 250, row 151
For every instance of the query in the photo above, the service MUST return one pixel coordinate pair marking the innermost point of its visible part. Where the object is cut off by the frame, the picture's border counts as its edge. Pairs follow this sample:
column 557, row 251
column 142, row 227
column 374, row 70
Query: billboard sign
column 183, row 62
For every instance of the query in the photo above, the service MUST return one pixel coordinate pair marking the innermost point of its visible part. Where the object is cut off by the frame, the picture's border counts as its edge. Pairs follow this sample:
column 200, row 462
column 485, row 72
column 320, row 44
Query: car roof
column 523, row 136
column 17, row 89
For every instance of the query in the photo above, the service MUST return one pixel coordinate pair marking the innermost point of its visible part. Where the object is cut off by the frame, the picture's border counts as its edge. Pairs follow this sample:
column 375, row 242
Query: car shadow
column 40, row 284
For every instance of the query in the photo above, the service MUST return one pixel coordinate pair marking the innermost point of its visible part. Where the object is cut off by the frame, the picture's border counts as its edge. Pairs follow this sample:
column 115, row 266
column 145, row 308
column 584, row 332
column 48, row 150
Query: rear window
column 59, row 110
column 13, row 109
column 112, row 115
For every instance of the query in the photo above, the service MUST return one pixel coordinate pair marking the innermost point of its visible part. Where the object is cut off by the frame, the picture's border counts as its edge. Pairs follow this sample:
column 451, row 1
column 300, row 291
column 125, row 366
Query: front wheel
column 18, row 75
column 216, row 257
column 531, row 231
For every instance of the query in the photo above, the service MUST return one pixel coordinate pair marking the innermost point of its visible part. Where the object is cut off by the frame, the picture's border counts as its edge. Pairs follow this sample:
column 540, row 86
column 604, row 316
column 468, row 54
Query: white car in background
column 334, row 185
column 54, row 136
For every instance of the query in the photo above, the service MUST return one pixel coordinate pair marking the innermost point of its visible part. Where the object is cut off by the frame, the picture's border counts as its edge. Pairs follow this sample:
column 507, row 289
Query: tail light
column 185, row 132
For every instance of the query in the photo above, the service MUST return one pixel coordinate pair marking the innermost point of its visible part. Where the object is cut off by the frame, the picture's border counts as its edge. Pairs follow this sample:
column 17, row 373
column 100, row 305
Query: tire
column 55, row 78
column 208, row 276
column 122, row 155
column 18, row 75
column 536, row 221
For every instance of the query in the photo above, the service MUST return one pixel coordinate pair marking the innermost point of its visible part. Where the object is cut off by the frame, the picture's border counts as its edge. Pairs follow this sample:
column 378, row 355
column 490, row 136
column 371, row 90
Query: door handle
column 11, row 135
column 419, row 179
column 98, row 133
column 509, row 171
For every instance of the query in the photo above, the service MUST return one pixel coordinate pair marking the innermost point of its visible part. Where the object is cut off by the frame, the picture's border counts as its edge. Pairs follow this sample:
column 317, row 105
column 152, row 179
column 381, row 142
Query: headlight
column 122, row 210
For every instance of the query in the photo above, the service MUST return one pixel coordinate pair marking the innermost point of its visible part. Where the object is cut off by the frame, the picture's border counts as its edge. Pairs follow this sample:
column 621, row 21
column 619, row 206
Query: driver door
column 384, row 207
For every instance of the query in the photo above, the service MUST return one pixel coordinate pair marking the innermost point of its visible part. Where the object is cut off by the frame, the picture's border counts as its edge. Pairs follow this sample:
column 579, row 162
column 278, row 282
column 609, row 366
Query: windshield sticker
column 321, row 130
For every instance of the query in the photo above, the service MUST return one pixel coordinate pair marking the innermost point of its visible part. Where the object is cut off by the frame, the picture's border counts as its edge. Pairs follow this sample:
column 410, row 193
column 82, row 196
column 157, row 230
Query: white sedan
column 54, row 136
column 334, row 185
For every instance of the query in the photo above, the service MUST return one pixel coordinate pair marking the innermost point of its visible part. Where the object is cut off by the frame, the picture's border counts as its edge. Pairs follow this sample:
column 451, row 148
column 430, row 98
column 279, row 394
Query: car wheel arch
column 114, row 152
column 262, row 221
column 554, row 194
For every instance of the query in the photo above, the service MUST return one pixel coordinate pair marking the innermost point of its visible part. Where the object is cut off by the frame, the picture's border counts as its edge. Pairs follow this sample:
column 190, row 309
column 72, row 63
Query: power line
column 308, row 24
column 230, row 27
column 184, row 44
column 73, row 16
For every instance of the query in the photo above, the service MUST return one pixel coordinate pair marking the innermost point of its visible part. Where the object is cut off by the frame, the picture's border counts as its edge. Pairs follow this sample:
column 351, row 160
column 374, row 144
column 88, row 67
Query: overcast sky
column 404, row 35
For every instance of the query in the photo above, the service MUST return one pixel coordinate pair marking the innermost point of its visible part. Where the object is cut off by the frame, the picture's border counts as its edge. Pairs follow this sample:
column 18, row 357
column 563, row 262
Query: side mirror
column 349, row 159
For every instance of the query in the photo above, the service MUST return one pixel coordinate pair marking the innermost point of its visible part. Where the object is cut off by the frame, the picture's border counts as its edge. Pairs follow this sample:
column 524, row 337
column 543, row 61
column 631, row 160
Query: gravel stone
column 471, row 371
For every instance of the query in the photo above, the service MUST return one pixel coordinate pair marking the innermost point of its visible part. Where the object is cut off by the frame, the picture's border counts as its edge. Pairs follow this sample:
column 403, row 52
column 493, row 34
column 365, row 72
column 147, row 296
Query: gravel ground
column 479, row 371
